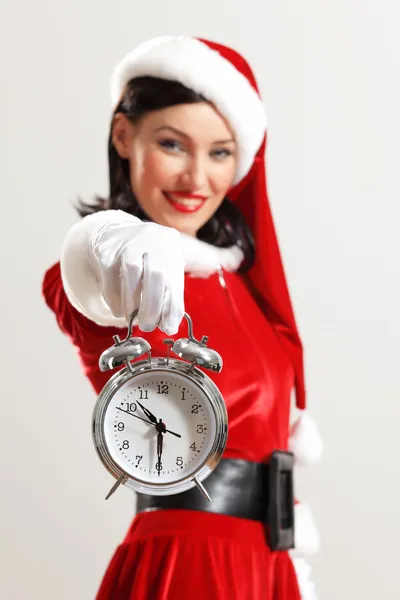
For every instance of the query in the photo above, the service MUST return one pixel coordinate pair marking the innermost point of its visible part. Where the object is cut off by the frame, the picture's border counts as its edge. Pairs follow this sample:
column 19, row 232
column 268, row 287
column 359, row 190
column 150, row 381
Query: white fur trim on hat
column 305, row 441
column 205, row 71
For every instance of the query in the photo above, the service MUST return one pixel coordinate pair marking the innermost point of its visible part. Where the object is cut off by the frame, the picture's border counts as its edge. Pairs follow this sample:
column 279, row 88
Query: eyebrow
column 185, row 135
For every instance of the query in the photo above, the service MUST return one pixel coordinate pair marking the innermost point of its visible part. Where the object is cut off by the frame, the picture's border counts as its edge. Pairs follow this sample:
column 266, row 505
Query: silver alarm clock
column 160, row 424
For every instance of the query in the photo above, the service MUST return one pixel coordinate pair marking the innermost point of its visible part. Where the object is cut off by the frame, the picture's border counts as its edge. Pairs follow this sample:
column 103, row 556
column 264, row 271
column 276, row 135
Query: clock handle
column 130, row 324
column 203, row 340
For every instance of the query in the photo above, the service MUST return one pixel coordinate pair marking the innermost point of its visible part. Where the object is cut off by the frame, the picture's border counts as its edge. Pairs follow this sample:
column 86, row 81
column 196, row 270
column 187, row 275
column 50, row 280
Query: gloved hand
column 112, row 264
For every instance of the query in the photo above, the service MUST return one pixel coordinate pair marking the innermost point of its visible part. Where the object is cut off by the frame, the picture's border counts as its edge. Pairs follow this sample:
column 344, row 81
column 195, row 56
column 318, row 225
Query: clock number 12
column 162, row 389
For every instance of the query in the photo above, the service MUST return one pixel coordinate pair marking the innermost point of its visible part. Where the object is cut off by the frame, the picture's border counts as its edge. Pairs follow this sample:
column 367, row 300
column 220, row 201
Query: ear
column 121, row 135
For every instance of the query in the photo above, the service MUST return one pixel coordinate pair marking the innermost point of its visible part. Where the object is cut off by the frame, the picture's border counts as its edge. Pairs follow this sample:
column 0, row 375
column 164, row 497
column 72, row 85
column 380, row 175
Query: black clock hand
column 161, row 430
column 159, row 444
column 148, row 414
column 153, row 419
column 146, row 421
column 173, row 433
column 159, row 452
column 136, row 416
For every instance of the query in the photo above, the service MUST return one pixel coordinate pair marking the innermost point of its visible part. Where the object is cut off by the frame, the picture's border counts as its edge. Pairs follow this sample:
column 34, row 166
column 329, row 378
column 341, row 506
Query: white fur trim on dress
column 305, row 441
column 307, row 543
column 303, row 574
column 307, row 540
column 82, row 286
column 198, row 67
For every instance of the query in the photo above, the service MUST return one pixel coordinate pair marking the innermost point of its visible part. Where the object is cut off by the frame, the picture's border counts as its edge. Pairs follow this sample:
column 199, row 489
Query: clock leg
column 116, row 485
column 202, row 489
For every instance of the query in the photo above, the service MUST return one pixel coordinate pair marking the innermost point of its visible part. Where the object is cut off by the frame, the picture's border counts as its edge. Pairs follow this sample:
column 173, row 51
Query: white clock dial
column 188, row 434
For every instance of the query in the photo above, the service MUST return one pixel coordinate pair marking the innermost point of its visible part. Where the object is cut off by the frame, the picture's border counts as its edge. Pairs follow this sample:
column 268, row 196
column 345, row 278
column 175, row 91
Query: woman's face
column 182, row 163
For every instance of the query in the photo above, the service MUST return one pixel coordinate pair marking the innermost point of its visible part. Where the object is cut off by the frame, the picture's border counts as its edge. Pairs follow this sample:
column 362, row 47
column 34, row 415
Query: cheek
column 158, row 170
column 223, row 179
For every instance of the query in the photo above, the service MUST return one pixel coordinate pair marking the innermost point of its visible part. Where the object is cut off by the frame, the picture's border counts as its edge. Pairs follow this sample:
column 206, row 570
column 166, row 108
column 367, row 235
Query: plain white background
column 329, row 74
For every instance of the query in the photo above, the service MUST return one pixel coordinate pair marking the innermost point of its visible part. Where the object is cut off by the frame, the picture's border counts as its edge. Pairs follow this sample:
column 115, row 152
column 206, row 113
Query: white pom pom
column 305, row 441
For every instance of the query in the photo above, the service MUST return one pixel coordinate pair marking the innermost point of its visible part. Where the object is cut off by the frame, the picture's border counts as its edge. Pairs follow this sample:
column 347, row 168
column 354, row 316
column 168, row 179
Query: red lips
column 183, row 208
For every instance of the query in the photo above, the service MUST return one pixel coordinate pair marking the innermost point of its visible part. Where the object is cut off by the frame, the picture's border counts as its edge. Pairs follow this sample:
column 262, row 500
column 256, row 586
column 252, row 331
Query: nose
column 195, row 173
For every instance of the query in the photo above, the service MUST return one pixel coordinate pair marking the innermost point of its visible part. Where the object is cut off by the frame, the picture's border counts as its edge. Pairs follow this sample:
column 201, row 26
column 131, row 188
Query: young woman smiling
column 187, row 226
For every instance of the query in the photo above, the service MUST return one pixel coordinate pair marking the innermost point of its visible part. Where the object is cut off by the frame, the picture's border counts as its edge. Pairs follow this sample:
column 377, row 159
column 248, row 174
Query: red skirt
column 183, row 554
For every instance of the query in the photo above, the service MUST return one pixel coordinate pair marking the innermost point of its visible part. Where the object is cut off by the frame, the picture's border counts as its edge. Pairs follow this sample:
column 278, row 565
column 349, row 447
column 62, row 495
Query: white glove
column 112, row 264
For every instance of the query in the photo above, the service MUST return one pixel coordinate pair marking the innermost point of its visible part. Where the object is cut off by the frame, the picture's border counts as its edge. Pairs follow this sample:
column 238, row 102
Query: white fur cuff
column 307, row 542
column 305, row 441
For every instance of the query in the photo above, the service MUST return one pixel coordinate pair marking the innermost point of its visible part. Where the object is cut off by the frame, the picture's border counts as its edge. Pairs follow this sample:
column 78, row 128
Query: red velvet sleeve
column 89, row 338
column 83, row 333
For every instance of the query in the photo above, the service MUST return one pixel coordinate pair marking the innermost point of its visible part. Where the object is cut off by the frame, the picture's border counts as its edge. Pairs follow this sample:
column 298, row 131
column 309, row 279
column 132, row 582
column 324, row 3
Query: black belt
column 240, row 488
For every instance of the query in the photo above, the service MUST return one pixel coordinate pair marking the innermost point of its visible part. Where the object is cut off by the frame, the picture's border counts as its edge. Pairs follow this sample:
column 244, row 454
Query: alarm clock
column 160, row 424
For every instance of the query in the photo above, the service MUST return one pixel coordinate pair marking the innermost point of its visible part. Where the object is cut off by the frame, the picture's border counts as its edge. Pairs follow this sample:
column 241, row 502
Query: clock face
column 159, row 427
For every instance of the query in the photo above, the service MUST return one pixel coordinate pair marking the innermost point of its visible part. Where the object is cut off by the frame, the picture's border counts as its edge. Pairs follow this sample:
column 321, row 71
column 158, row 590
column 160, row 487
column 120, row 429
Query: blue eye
column 170, row 144
column 221, row 153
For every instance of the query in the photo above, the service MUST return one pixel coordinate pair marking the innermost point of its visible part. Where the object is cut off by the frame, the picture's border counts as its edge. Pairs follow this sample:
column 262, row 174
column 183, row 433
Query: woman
column 187, row 226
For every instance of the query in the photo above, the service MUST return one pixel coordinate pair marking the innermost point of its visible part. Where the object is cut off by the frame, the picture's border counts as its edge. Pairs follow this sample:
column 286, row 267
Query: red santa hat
column 225, row 79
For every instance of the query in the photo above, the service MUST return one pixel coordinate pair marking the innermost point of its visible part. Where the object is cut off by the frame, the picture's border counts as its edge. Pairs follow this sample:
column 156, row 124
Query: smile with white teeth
column 189, row 202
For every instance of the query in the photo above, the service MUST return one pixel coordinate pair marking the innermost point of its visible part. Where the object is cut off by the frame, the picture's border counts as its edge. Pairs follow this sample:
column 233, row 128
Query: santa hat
column 199, row 66
column 225, row 79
